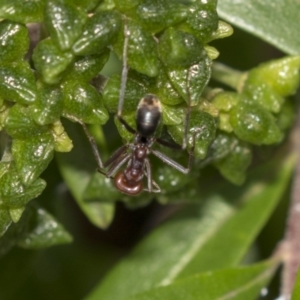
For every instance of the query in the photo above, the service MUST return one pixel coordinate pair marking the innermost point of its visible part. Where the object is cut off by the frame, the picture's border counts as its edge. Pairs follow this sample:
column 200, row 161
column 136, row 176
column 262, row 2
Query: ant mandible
column 148, row 117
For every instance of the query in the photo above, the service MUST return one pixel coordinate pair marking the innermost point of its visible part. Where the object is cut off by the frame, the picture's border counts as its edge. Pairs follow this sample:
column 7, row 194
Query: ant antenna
column 124, row 70
column 188, row 110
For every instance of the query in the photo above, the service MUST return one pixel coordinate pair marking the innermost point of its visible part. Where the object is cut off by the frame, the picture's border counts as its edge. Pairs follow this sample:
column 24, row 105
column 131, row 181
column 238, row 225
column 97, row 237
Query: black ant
column 148, row 118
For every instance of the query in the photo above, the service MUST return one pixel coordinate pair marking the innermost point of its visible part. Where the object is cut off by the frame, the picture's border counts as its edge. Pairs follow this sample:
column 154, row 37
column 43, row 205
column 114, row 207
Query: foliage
column 240, row 117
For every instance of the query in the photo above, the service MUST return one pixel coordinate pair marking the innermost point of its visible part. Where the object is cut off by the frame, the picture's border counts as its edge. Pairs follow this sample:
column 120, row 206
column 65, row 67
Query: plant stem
column 228, row 76
column 291, row 243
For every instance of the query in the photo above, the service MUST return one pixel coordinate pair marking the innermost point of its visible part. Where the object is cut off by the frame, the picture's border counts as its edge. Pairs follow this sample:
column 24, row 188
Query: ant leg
column 92, row 143
column 173, row 163
column 124, row 80
column 150, row 182
column 188, row 112
column 119, row 152
column 117, row 164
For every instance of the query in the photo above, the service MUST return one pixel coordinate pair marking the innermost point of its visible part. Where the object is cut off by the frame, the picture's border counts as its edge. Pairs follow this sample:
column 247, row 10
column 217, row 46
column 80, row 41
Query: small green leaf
column 164, row 89
column 233, row 284
column 14, row 193
column 254, row 124
column 197, row 75
column 16, row 213
column 82, row 101
column 173, row 115
column 77, row 173
column 32, row 156
column 134, row 92
column 17, row 82
column 62, row 142
column 202, row 20
column 50, row 61
column 49, row 105
column 224, row 30
column 64, row 22
column 87, row 67
column 257, row 91
column 233, row 167
column 282, row 75
column 142, row 53
column 19, row 123
column 14, row 41
column 45, row 231
column 156, row 15
column 170, row 180
column 98, row 33
column 203, row 126
column 179, row 49
column 22, row 11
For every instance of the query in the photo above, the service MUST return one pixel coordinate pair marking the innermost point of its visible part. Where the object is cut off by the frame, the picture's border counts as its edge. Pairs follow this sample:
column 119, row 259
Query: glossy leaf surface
column 17, row 82
column 22, row 11
column 236, row 283
column 64, row 22
column 278, row 28
column 14, row 41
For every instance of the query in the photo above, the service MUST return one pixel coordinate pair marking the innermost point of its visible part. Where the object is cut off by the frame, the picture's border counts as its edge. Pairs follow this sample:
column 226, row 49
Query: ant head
column 148, row 115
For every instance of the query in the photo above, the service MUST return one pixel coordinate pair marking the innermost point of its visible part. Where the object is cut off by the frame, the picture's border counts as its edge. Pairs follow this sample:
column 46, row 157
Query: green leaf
column 49, row 105
column 196, row 240
column 165, row 90
column 87, row 67
column 64, row 22
column 20, row 124
column 202, row 126
column 156, row 15
column 233, row 167
column 254, row 124
column 50, row 61
column 14, row 194
column 14, row 41
column 83, row 101
column 278, row 28
column 32, row 156
column 197, row 75
column 202, row 19
column 133, row 94
column 98, row 33
column 44, row 231
column 77, row 173
column 142, row 52
column 22, row 11
column 281, row 75
column 237, row 283
column 17, row 82
column 179, row 49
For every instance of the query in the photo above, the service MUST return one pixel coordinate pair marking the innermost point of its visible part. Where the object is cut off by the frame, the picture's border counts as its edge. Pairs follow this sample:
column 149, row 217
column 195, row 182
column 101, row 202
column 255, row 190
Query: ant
column 148, row 117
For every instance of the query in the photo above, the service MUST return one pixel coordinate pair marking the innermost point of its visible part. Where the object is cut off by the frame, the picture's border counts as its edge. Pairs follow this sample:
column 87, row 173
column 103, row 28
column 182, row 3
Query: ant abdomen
column 126, row 187
column 148, row 115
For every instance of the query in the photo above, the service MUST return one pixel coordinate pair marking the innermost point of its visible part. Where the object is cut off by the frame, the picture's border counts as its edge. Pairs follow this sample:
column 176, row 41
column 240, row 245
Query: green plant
column 198, row 253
